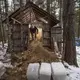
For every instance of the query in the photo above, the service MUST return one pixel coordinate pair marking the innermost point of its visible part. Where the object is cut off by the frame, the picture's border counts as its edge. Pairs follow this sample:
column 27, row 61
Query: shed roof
column 20, row 13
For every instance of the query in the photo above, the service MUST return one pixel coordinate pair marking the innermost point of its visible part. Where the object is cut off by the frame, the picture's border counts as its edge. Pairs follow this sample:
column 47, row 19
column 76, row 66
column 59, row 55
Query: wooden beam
column 14, row 14
column 25, row 12
column 16, row 21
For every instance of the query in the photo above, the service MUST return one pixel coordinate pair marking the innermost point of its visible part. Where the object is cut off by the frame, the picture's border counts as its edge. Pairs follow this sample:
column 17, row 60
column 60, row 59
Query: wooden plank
column 16, row 20
column 16, row 37
column 47, row 45
column 17, row 49
column 56, row 33
column 46, row 35
column 17, row 42
column 16, row 27
column 46, row 38
column 46, row 42
column 46, row 30
column 14, row 14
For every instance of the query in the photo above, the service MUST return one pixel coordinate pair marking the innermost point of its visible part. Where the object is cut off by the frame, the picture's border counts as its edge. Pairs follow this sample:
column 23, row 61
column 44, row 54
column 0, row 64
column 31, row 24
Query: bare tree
column 79, row 21
column 48, row 6
column 60, row 11
column 1, row 25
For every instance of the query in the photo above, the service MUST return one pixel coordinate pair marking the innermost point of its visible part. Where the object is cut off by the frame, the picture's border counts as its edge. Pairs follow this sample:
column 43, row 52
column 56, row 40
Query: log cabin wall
column 10, row 42
column 18, row 39
column 56, row 33
column 46, row 35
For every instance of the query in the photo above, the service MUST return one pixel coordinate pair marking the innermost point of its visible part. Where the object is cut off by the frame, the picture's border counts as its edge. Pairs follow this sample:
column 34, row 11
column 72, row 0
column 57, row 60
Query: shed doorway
column 38, row 32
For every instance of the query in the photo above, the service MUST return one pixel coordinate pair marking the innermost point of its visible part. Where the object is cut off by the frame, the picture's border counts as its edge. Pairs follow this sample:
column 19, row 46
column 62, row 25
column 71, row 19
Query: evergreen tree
column 69, row 33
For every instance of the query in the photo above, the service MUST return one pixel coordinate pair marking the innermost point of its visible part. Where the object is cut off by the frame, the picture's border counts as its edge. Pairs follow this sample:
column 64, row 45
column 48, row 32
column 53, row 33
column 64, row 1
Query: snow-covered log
column 58, row 71
column 45, row 71
column 33, row 71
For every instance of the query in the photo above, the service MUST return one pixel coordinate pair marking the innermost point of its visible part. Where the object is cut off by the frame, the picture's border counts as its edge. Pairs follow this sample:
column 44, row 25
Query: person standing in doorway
column 34, row 32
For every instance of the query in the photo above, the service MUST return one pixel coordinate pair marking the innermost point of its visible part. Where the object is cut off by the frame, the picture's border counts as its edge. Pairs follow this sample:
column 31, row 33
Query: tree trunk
column 1, row 25
column 69, row 33
column 79, row 21
column 48, row 6
column 60, row 11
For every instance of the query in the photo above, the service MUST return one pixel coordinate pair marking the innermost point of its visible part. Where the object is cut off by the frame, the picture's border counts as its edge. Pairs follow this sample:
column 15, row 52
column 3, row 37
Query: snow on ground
column 5, row 60
column 78, row 50
column 73, row 73
column 4, row 56
column 78, row 54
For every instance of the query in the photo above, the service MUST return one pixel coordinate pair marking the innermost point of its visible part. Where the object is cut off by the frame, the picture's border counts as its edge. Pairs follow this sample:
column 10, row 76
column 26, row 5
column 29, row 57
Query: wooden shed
column 19, row 26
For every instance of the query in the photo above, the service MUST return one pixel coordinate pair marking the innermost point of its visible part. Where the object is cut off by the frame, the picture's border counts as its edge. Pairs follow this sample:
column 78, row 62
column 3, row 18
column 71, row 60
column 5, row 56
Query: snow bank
column 2, row 69
column 78, row 49
column 58, row 71
column 5, row 60
column 33, row 71
column 66, row 71
column 45, row 71
column 73, row 73
column 78, row 55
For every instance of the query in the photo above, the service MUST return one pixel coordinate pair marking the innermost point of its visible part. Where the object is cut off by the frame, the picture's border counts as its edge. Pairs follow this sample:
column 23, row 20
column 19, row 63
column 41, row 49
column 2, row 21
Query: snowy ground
column 5, row 61
column 78, row 54
column 73, row 73
column 5, row 57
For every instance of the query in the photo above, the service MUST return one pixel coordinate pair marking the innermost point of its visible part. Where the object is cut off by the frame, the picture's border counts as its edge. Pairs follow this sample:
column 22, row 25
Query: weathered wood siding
column 46, row 35
column 56, row 33
column 19, row 37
